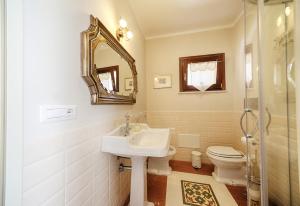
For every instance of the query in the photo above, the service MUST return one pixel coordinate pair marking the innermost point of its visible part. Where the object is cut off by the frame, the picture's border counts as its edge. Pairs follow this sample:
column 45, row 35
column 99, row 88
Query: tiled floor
column 157, row 185
column 157, row 189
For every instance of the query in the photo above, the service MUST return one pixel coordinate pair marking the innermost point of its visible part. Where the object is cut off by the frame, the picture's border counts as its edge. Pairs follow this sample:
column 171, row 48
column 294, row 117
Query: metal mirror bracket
column 89, row 40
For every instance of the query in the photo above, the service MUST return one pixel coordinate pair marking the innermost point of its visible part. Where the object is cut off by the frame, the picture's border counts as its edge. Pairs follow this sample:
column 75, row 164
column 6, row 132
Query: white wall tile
column 44, row 191
column 40, row 148
column 82, row 197
column 79, row 151
column 78, row 184
column 213, row 127
column 79, row 167
column 41, row 170
column 73, row 172
column 57, row 200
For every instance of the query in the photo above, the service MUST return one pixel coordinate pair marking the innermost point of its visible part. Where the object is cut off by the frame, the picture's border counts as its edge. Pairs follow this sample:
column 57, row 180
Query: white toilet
column 229, row 165
column 160, row 165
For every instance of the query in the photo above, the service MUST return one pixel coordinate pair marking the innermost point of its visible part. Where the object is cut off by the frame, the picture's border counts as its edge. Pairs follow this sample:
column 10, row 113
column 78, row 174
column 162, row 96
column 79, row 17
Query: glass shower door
column 278, row 79
column 270, row 103
column 252, row 98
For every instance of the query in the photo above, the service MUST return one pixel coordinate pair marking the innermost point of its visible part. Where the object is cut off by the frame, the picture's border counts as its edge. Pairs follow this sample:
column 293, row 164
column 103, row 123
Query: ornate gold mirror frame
column 89, row 41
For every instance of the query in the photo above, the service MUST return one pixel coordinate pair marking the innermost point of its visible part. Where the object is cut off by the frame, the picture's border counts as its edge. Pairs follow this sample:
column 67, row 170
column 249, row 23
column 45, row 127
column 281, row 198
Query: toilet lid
column 224, row 151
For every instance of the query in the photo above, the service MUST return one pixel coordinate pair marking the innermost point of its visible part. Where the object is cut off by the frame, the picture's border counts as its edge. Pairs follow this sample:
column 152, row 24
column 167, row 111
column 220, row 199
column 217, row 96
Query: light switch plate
column 54, row 113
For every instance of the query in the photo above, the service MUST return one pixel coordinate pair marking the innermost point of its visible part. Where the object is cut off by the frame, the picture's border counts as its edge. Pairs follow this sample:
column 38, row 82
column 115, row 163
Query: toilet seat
column 228, row 159
column 224, row 152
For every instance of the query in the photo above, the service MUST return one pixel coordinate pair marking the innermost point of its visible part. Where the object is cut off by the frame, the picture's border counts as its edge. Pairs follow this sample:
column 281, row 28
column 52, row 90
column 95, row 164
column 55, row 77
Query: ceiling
column 167, row 17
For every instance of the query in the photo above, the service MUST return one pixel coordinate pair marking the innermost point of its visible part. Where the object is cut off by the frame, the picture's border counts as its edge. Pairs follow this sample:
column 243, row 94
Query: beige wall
column 63, row 163
column 214, row 128
column 212, row 115
column 162, row 58
column 239, row 81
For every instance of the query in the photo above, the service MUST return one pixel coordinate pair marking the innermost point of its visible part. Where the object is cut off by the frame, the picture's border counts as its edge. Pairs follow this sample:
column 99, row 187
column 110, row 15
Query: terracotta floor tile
column 239, row 193
column 157, row 189
column 157, row 185
column 182, row 166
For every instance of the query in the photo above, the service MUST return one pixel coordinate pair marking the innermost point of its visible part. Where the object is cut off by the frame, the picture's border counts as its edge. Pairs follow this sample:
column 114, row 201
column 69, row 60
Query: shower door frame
column 261, row 100
column 2, row 108
column 261, row 108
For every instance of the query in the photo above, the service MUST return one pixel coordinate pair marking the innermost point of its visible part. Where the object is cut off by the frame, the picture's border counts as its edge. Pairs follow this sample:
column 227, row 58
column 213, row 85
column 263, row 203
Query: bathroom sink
column 141, row 141
column 138, row 142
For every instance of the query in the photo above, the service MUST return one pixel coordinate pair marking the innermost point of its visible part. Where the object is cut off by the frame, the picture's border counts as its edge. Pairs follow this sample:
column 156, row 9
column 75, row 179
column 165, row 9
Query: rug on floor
column 198, row 194
column 216, row 195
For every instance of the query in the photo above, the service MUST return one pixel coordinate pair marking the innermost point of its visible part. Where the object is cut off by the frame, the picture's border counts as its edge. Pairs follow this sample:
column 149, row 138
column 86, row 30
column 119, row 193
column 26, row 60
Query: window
column 249, row 66
column 202, row 73
column 109, row 77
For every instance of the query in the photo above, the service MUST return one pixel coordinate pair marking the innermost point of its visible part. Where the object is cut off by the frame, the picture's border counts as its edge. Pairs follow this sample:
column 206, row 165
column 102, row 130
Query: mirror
column 112, row 70
column 107, row 68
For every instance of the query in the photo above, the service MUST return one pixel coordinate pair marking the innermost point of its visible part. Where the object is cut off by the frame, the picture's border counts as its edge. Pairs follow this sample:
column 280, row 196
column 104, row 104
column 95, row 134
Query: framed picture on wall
column 162, row 81
column 128, row 84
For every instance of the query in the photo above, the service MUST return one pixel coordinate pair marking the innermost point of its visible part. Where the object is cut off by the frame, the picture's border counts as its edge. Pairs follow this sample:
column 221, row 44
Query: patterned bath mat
column 198, row 194
column 218, row 191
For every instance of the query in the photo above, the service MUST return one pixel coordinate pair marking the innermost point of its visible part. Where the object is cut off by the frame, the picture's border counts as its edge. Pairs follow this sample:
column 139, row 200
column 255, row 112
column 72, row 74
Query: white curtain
column 106, row 80
column 202, row 75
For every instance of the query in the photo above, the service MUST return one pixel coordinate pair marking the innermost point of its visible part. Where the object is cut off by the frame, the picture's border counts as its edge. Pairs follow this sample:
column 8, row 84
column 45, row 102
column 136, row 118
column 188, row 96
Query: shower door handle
column 246, row 110
column 249, row 135
column 269, row 121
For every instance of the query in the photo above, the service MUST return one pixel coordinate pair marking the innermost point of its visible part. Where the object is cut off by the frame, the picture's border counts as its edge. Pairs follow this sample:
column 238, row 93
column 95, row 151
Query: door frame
column 2, row 84
column 13, row 100
column 297, row 63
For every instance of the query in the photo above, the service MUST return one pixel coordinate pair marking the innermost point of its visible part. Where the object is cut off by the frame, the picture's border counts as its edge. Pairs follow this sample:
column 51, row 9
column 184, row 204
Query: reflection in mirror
column 107, row 68
column 249, row 66
column 111, row 68
column 109, row 77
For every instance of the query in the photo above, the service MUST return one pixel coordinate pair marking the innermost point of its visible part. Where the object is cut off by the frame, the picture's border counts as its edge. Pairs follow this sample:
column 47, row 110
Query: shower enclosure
column 269, row 119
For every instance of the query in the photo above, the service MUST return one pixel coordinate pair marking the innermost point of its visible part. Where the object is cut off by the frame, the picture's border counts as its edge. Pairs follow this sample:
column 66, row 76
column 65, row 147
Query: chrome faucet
column 127, row 128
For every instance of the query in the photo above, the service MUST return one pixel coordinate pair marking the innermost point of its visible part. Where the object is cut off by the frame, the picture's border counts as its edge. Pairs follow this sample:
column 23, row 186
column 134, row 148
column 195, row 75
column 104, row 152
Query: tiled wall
column 70, row 169
column 223, row 128
column 281, row 150
column 282, row 161
column 214, row 128
column 237, row 132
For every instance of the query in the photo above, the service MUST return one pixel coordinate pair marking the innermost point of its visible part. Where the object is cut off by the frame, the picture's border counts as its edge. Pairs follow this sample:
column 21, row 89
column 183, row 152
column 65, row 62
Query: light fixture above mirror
column 123, row 32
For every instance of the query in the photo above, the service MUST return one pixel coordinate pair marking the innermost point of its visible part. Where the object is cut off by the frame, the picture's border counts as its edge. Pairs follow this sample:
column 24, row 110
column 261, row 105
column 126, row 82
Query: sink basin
column 141, row 141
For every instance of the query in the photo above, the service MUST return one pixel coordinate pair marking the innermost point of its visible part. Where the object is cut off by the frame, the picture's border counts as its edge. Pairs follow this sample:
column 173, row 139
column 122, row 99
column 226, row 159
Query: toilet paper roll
column 244, row 140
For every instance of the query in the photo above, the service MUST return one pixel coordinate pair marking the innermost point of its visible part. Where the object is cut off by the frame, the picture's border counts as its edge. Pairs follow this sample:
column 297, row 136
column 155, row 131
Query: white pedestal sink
column 142, row 142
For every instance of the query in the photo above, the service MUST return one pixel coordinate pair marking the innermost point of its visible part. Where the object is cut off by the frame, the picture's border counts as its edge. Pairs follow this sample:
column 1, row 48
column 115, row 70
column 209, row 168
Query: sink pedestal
column 138, row 190
column 142, row 142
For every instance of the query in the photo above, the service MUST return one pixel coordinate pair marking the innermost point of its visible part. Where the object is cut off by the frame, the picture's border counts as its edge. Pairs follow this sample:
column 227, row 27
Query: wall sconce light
column 123, row 31
column 288, row 11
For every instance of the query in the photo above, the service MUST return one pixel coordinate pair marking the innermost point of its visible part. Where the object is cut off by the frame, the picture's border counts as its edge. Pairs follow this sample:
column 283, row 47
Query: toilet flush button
column 53, row 113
